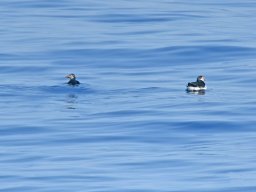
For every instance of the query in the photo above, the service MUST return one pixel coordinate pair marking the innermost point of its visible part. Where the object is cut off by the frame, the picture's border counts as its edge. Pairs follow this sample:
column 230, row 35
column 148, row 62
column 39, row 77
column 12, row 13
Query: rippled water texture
column 130, row 126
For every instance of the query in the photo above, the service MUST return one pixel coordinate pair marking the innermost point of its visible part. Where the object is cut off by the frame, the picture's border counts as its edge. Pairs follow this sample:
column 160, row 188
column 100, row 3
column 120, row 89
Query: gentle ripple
column 130, row 126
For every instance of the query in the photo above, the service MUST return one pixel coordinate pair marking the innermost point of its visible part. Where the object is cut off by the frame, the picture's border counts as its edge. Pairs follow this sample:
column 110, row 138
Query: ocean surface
column 130, row 126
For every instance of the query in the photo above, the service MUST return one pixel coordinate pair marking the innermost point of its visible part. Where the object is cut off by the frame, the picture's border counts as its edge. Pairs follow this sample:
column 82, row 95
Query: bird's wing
column 192, row 84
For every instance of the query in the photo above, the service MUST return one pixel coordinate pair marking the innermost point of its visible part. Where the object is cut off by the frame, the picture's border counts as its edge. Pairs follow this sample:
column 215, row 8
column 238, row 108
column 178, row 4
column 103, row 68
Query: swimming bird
column 72, row 79
column 199, row 85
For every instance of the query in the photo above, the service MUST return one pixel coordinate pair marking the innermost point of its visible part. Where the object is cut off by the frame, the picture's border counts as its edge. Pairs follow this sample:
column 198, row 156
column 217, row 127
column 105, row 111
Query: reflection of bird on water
column 201, row 92
column 199, row 85
column 71, row 101
column 72, row 79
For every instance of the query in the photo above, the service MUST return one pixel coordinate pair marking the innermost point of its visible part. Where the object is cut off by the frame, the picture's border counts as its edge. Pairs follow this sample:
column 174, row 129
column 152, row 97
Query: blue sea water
column 130, row 126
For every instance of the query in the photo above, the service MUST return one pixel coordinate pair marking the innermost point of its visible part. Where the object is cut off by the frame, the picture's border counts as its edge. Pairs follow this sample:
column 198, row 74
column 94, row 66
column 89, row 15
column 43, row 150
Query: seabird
column 199, row 85
column 72, row 79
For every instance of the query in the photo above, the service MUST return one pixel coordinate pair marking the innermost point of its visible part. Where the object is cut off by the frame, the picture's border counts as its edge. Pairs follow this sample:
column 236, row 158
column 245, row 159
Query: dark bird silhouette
column 72, row 79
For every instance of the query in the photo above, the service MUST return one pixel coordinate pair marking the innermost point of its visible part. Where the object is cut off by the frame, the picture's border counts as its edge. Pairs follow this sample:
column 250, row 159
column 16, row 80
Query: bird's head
column 71, row 76
column 201, row 78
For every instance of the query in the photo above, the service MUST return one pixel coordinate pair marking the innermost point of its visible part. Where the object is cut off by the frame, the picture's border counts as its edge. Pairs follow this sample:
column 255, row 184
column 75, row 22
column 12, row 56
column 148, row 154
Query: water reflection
column 201, row 92
column 71, row 101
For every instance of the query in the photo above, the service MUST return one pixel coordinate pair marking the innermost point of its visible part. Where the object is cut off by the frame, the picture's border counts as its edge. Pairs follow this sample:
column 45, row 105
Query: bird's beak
column 67, row 76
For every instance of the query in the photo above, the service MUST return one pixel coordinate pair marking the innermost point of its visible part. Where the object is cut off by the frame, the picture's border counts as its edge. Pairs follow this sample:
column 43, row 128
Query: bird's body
column 72, row 79
column 73, row 82
column 199, row 85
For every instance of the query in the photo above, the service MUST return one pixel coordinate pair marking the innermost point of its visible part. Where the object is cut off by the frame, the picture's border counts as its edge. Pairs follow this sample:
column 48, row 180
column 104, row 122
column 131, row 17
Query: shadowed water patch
column 21, row 90
column 156, row 57
column 129, row 19
column 32, row 4
column 24, row 130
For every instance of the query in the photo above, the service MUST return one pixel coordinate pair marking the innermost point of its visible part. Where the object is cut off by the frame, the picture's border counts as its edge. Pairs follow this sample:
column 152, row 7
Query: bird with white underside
column 199, row 85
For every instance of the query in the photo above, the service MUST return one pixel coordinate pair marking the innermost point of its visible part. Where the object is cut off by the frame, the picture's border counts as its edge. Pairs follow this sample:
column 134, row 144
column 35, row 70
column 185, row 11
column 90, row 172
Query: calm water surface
column 130, row 126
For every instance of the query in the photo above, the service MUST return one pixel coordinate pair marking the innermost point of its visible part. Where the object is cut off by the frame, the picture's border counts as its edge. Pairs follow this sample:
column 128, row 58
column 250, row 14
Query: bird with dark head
column 198, row 85
column 72, row 79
